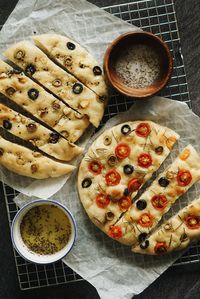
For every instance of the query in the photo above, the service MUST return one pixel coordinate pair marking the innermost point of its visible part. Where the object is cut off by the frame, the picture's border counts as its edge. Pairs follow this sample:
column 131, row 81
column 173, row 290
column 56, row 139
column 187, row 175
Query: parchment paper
column 80, row 20
column 112, row 268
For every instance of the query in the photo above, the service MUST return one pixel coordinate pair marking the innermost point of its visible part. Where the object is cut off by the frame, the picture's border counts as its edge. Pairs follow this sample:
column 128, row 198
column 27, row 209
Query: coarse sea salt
column 138, row 66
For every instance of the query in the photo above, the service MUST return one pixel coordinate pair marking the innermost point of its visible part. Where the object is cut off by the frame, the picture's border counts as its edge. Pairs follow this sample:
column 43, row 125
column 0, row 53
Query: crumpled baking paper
column 89, row 25
column 111, row 267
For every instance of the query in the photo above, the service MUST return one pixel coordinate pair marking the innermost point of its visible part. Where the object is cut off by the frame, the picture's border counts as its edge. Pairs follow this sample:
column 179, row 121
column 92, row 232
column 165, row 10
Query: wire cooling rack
column 158, row 17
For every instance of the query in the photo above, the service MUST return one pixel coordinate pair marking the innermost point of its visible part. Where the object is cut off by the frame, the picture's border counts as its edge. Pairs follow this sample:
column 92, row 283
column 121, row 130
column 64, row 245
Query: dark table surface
column 179, row 282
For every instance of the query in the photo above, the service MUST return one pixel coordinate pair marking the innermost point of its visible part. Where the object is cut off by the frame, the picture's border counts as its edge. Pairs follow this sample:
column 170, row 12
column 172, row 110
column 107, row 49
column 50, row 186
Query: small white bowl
column 21, row 247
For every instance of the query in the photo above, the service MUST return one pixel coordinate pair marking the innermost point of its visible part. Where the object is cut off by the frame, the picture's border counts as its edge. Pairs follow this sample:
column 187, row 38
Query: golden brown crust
column 23, row 161
column 175, row 234
column 46, row 107
column 77, row 60
column 65, row 86
column 41, row 137
column 104, row 147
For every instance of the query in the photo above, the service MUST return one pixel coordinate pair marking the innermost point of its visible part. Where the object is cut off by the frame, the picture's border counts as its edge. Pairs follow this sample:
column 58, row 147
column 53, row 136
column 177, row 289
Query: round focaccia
column 117, row 165
column 175, row 234
column 146, row 212
column 75, row 59
column 26, row 162
column 47, row 141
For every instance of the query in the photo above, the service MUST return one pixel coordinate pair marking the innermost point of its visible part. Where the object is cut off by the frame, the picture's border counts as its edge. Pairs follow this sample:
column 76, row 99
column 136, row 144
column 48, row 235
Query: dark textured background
column 180, row 282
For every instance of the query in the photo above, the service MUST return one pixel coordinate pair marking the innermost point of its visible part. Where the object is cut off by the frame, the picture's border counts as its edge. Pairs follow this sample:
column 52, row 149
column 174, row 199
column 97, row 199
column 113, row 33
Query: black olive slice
column 159, row 150
column 10, row 91
column 54, row 137
column 97, row 71
column 163, row 182
column 128, row 169
column 141, row 204
column 126, row 192
column 144, row 244
column 112, row 160
column 1, row 151
column 77, row 88
column 70, row 46
column 7, row 124
column 33, row 94
column 86, row 183
column 30, row 69
column 126, row 129
column 142, row 237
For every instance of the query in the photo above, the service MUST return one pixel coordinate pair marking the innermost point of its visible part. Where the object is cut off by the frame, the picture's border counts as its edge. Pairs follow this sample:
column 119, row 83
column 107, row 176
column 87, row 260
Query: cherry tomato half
column 95, row 167
column 134, row 185
column 184, row 177
column 159, row 202
column 144, row 160
column 102, row 200
column 122, row 151
column 192, row 221
column 143, row 130
column 115, row 232
column 112, row 177
column 160, row 248
column 146, row 220
column 124, row 203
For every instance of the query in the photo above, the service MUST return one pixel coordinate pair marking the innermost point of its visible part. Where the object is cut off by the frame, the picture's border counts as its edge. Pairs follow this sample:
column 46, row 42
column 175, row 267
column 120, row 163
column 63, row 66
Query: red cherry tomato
column 160, row 248
column 184, row 177
column 134, row 185
column 124, row 203
column 159, row 202
column 146, row 220
column 112, row 177
column 115, row 232
column 143, row 130
column 192, row 221
column 144, row 160
column 122, row 151
column 95, row 167
column 102, row 200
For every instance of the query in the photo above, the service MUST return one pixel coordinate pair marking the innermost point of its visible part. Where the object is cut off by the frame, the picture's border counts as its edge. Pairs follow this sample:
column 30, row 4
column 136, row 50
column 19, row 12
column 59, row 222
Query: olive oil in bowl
column 45, row 229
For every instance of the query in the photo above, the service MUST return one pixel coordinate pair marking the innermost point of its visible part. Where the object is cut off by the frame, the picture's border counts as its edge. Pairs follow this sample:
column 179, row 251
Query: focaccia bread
column 117, row 165
column 75, row 59
column 146, row 212
column 44, row 106
column 175, row 234
column 37, row 64
column 23, row 161
column 44, row 139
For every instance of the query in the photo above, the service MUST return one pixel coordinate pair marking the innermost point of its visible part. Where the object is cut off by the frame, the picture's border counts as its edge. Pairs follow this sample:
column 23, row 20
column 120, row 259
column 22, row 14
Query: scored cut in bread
column 175, row 234
column 44, row 139
column 146, row 212
column 37, row 64
column 44, row 106
column 75, row 59
column 26, row 162
column 117, row 165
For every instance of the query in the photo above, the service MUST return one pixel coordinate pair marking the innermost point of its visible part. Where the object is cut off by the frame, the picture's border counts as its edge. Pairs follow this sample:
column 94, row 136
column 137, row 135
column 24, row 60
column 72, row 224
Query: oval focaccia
column 47, row 141
column 75, row 59
column 67, row 87
column 44, row 106
column 23, row 161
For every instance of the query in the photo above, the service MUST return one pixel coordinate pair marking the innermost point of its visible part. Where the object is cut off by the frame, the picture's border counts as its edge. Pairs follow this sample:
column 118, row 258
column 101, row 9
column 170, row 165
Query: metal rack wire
column 158, row 17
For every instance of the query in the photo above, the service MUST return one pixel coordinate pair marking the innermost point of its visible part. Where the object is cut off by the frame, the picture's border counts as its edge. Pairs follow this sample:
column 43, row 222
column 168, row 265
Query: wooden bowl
column 146, row 39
